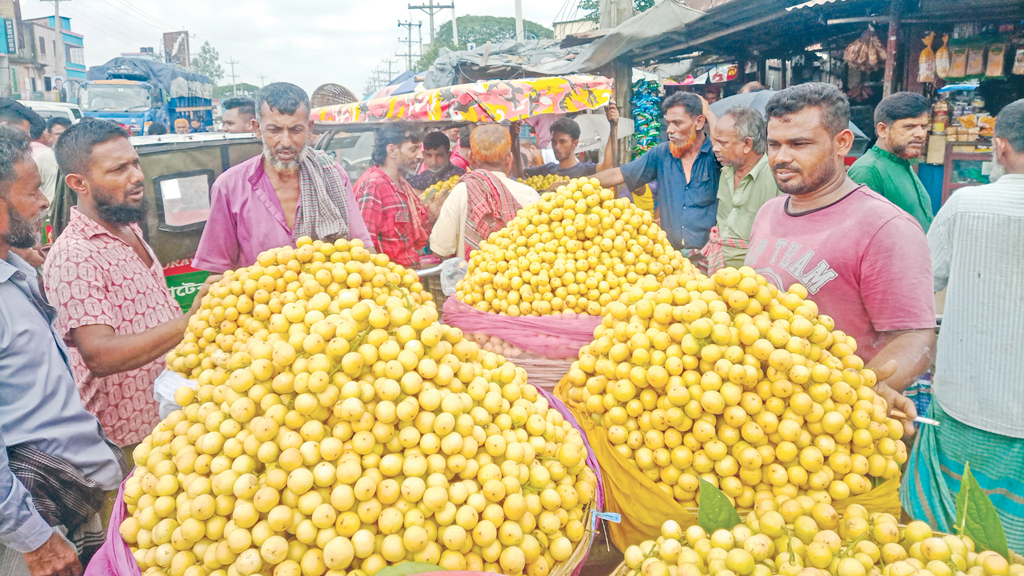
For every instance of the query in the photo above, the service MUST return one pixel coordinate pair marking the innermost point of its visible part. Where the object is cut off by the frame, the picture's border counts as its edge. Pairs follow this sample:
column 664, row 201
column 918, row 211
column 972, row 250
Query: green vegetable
column 976, row 516
column 715, row 511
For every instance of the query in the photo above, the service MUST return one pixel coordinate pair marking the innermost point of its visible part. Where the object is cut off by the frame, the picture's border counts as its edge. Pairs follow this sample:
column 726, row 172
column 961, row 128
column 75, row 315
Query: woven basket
column 574, row 564
column 622, row 569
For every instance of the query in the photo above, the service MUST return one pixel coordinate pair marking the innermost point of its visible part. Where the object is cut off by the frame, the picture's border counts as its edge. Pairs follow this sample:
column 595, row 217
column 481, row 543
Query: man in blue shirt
column 565, row 137
column 686, row 170
column 43, row 425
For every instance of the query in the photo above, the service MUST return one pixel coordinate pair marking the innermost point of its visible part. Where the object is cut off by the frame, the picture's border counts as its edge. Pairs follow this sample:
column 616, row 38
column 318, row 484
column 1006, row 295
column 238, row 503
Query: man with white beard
column 976, row 241
column 288, row 192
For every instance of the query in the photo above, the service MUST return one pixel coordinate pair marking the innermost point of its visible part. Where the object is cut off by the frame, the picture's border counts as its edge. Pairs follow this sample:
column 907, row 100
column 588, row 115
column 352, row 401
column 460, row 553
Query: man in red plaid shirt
column 398, row 221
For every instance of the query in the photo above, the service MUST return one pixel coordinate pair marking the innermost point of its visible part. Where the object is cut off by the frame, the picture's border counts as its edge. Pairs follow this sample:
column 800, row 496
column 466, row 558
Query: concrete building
column 41, row 34
column 28, row 66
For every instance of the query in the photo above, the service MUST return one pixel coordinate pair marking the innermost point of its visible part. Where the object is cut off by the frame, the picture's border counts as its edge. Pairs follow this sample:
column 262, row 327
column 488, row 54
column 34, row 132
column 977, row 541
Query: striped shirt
column 976, row 242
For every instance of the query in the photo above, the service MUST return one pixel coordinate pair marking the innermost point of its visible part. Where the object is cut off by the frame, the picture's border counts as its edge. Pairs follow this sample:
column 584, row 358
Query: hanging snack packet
column 975, row 61
column 1018, row 62
column 957, row 62
column 996, row 59
column 942, row 58
column 926, row 62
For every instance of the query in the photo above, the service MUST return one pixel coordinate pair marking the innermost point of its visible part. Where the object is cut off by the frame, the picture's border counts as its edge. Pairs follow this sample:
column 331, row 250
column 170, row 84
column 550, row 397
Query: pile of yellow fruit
column 807, row 538
column 442, row 188
column 729, row 379
column 337, row 426
column 576, row 250
column 542, row 182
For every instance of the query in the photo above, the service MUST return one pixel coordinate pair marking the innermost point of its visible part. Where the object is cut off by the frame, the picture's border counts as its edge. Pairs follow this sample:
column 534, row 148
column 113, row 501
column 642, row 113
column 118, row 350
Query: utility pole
column 408, row 40
column 234, row 86
column 262, row 83
column 455, row 26
column 60, row 64
column 430, row 8
column 520, row 35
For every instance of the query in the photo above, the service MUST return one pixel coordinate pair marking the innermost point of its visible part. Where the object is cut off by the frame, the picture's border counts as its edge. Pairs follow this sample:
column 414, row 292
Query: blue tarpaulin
column 177, row 81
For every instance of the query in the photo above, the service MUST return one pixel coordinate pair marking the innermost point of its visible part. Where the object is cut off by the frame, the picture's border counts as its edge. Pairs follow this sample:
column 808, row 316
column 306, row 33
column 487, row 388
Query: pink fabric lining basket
column 114, row 558
column 548, row 336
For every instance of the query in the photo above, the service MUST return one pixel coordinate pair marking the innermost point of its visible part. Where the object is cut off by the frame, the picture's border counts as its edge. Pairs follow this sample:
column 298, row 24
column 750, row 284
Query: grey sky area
column 308, row 42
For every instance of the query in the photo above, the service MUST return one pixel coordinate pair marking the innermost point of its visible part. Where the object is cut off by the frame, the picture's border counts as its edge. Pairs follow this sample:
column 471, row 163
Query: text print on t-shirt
column 788, row 257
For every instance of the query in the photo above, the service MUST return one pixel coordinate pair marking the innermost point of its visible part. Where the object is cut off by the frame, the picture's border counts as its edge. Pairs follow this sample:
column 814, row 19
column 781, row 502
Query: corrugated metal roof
column 811, row 4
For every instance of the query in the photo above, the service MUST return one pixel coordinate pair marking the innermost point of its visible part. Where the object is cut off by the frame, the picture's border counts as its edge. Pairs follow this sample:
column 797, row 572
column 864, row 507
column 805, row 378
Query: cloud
column 308, row 42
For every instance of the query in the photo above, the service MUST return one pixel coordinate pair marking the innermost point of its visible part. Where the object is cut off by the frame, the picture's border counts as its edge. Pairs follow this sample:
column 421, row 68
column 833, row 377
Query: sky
column 307, row 42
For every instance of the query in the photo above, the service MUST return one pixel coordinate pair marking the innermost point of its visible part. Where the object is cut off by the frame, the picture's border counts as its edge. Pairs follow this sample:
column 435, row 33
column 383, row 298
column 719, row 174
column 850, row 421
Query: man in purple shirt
column 287, row 192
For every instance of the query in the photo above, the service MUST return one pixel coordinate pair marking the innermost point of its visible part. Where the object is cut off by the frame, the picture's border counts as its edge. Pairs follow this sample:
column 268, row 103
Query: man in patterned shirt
column 395, row 216
column 114, row 309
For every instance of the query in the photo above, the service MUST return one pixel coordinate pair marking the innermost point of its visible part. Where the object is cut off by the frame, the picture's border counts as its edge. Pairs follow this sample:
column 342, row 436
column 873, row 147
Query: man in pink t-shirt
column 864, row 261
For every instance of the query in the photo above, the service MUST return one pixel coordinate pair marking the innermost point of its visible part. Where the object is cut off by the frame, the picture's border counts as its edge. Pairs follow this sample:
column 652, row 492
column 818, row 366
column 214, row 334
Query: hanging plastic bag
column 926, row 62
column 942, row 58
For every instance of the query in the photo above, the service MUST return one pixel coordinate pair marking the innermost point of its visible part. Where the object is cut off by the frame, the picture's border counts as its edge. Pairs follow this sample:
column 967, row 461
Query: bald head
column 491, row 145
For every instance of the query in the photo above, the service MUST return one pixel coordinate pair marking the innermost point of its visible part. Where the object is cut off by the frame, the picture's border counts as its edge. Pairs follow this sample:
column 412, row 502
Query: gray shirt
column 39, row 404
column 976, row 242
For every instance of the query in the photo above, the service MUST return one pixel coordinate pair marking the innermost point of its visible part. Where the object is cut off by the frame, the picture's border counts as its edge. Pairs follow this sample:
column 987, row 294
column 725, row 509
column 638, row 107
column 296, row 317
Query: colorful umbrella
column 484, row 101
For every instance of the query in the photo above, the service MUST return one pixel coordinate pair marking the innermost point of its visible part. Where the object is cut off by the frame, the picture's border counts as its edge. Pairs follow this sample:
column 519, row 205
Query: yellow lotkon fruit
column 336, row 425
column 805, row 549
column 729, row 379
column 441, row 188
column 576, row 250
column 542, row 183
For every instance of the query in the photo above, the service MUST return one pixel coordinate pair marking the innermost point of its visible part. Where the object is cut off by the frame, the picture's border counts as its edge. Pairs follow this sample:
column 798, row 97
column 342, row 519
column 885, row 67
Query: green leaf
column 409, row 568
column 976, row 516
column 715, row 511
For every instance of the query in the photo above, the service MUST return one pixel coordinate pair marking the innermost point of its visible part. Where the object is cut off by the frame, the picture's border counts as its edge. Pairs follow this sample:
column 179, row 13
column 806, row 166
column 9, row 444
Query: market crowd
column 85, row 323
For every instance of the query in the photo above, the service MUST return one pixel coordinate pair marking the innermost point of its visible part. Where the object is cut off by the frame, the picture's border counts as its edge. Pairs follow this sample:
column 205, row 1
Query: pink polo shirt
column 864, row 262
column 94, row 277
column 246, row 218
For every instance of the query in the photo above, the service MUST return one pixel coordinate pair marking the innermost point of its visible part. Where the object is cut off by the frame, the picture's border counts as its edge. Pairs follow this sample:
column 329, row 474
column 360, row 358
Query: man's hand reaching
column 55, row 557
column 894, row 399
column 210, row 281
column 611, row 112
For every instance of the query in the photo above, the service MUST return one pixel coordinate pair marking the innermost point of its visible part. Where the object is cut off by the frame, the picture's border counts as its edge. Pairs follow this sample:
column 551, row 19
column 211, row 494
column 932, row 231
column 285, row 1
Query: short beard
column 680, row 150
column 900, row 150
column 997, row 169
column 121, row 213
column 22, row 233
column 291, row 166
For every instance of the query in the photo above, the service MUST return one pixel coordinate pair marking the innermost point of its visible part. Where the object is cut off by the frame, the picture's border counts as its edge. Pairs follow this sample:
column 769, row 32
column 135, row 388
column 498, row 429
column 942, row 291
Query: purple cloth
column 557, row 404
column 114, row 558
column 246, row 218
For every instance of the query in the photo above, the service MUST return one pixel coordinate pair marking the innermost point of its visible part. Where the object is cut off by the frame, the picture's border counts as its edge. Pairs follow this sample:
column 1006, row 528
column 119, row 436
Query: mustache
column 790, row 167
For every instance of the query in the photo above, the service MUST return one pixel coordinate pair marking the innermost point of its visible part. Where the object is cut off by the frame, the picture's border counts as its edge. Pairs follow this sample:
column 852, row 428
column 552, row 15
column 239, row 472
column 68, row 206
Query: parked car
column 49, row 110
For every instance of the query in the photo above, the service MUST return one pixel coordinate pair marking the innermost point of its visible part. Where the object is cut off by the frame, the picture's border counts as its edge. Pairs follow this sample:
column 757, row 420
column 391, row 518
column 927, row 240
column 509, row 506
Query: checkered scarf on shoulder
column 323, row 200
column 489, row 206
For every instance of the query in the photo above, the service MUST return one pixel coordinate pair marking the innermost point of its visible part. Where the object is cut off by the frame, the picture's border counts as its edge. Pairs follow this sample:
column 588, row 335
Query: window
column 76, row 55
column 183, row 200
column 42, row 46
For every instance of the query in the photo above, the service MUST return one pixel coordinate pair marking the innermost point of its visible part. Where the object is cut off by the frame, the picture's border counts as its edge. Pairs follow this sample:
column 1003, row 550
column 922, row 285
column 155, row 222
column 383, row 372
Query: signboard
column 176, row 48
column 10, row 46
column 184, row 281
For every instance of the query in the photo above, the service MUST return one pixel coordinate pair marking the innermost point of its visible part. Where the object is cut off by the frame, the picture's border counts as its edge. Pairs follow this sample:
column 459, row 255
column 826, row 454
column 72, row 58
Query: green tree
column 207, row 61
column 592, row 7
column 480, row 30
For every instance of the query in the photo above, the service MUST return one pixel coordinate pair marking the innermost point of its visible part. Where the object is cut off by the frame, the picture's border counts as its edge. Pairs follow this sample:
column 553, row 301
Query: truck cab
column 135, row 93
column 131, row 103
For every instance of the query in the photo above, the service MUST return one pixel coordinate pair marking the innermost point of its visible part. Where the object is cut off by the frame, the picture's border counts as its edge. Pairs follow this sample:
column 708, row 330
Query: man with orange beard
column 686, row 170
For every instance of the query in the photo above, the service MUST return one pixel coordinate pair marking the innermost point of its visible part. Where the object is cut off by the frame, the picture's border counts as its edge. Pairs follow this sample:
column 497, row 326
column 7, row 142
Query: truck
column 136, row 92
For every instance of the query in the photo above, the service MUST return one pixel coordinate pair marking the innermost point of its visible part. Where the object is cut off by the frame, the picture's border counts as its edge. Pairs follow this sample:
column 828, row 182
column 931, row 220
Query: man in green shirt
column 901, row 123
column 746, row 182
